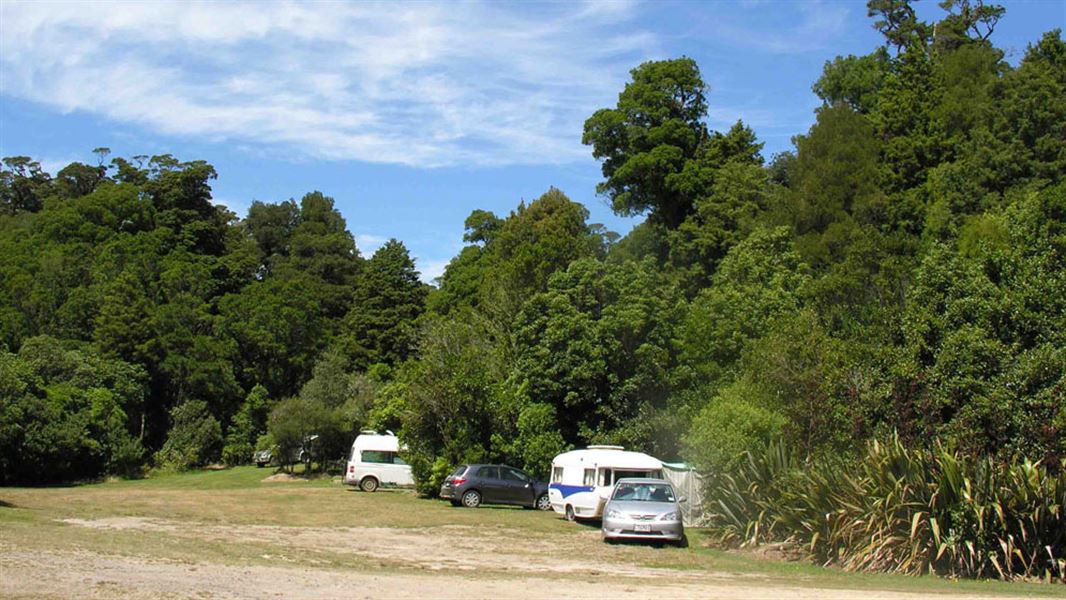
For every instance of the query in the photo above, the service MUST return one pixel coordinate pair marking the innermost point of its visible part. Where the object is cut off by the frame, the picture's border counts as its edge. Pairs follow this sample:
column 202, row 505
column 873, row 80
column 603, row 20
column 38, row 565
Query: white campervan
column 582, row 480
column 375, row 461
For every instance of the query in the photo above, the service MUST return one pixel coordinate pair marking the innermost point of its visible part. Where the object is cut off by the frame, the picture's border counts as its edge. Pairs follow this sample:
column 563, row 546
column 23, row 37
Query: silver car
column 643, row 509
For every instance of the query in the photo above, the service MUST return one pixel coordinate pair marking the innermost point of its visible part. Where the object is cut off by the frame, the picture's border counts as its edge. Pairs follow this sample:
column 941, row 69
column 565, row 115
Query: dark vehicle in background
column 474, row 485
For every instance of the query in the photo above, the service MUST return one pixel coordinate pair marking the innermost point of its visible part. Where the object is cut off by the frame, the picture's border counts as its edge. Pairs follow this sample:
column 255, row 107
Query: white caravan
column 375, row 461
column 582, row 480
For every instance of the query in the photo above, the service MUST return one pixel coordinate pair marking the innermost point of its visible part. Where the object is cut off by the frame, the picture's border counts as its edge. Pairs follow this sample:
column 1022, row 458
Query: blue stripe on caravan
column 567, row 490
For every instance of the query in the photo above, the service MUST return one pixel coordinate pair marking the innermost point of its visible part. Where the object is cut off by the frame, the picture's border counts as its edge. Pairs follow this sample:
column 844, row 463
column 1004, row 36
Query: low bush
column 897, row 509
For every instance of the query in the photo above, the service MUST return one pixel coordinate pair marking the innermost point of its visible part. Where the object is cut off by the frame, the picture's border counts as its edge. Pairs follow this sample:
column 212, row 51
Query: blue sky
column 409, row 115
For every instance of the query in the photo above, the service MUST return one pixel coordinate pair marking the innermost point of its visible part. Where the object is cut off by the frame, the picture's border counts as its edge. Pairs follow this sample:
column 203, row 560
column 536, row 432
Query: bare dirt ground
column 438, row 562
column 61, row 575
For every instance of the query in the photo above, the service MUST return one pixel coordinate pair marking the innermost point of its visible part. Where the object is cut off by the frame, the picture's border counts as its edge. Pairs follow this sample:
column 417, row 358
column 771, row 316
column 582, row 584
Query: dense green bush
column 64, row 413
column 248, row 424
column 195, row 438
column 730, row 423
column 898, row 509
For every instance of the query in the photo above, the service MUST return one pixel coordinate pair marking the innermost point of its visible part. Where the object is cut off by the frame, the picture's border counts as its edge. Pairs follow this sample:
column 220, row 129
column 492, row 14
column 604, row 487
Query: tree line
column 901, row 271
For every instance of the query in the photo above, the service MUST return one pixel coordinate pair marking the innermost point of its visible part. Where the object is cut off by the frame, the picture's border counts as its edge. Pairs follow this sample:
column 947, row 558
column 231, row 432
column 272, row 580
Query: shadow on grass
column 4, row 504
column 503, row 507
column 650, row 543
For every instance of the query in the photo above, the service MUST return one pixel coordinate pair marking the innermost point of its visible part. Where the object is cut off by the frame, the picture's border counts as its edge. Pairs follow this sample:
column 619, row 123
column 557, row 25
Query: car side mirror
column 682, row 499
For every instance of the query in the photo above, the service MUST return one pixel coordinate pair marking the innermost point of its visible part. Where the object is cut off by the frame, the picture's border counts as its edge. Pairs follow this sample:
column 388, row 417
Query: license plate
column 641, row 528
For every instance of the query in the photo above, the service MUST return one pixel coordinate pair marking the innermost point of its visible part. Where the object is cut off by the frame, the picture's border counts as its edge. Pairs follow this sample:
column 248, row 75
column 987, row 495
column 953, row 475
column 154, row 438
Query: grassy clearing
column 217, row 503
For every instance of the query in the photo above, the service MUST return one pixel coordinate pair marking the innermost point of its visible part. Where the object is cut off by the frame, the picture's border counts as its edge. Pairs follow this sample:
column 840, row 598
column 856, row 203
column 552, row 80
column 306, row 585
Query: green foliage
column 23, row 185
column 724, row 215
column 518, row 257
column 760, row 280
column 597, row 346
column 388, row 298
column 853, row 80
column 450, row 410
column 248, row 425
column 64, row 413
column 292, row 421
column 836, row 176
column 344, row 401
column 279, row 327
column 194, row 440
column 538, row 440
column 897, row 509
column 651, row 134
column 733, row 421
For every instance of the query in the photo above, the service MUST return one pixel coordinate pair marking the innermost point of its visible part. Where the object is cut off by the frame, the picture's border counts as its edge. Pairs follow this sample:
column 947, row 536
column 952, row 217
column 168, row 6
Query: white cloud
column 430, row 270
column 801, row 27
column 416, row 84
column 53, row 165
column 369, row 243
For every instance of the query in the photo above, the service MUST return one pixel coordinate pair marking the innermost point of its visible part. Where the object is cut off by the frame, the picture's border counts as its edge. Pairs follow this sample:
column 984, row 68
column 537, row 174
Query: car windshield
column 644, row 492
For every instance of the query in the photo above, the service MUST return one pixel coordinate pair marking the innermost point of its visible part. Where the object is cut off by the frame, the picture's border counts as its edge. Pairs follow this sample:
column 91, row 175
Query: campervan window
column 590, row 477
column 557, row 474
column 377, row 456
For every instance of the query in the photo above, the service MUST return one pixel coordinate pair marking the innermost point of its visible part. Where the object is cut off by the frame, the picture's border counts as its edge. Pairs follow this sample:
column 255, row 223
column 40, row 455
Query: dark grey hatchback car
column 474, row 485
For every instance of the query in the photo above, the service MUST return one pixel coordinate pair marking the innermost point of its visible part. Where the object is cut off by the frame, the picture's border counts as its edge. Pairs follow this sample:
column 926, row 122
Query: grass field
column 176, row 529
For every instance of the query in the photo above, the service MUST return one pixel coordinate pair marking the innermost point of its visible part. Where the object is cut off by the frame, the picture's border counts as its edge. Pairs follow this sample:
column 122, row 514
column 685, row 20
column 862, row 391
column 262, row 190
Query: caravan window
column 590, row 476
column 557, row 474
column 605, row 478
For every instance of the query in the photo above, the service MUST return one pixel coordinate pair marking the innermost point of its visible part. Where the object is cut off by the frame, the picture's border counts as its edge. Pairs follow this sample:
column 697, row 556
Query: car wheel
column 570, row 515
column 260, row 465
column 368, row 484
column 544, row 503
column 471, row 499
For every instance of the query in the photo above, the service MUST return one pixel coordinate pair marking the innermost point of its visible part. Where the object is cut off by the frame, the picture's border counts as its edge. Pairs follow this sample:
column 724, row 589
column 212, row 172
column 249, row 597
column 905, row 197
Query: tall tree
column 655, row 129
column 388, row 297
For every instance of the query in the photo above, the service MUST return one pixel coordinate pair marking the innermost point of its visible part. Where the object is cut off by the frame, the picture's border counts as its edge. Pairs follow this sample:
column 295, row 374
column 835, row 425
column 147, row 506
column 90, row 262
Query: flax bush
column 897, row 509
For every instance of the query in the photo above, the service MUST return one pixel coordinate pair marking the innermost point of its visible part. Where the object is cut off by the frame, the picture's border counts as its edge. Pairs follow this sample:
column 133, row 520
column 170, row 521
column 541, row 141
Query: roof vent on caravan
column 368, row 432
column 605, row 447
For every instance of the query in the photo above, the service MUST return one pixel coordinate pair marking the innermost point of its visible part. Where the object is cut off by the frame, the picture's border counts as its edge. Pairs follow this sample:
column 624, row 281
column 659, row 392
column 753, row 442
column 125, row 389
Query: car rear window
column 459, row 470
column 489, row 472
